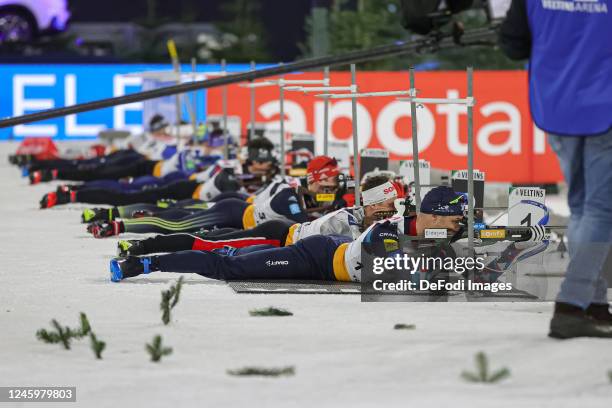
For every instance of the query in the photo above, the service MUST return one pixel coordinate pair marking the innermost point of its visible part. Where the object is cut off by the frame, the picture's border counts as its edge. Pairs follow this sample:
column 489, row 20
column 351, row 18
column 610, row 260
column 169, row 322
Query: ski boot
column 121, row 268
column 103, row 230
column 67, row 187
column 40, row 176
column 98, row 214
column 59, row 197
column 21, row 159
column 130, row 247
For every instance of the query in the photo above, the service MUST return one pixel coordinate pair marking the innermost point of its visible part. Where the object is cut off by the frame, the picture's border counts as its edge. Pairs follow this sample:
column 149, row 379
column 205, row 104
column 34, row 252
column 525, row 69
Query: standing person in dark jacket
column 570, row 94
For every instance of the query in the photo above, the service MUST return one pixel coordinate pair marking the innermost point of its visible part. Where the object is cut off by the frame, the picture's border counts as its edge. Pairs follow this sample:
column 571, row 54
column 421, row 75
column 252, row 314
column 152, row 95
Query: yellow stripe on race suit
column 196, row 193
column 193, row 176
column 289, row 240
column 250, row 199
column 248, row 218
column 201, row 206
column 158, row 168
column 340, row 271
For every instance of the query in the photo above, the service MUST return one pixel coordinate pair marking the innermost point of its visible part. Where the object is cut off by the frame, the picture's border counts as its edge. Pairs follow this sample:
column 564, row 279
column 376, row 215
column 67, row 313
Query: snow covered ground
column 345, row 352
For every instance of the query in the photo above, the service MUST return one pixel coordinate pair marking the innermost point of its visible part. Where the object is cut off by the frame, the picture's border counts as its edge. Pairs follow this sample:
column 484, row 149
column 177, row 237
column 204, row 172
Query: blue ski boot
column 122, row 268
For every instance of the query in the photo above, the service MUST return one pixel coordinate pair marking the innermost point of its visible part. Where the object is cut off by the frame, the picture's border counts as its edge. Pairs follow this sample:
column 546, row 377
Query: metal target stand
column 224, row 113
column 353, row 96
column 414, row 100
column 282, row 85
column 409, row 95
column 326, row 88
column 469, row 103
column 354, row 91
column 252, row 86
column 223, row 73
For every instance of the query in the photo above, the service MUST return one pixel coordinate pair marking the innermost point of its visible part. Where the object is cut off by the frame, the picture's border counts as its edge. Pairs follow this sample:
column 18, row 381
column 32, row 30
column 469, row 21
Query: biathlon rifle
column 488, row 234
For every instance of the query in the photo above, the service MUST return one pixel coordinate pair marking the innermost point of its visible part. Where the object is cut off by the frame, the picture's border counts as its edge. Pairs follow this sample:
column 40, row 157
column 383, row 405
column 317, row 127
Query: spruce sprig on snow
column 177, row 292
column 610, row 375
column 97, row 346
column 265, row 372
column 482, row 371
column 64, row 335
column 170, row 298
column 60, row 335
column 403, row 326
column 156, row 350
column 50, row 337
column 85, row 326
column 47, row 337
column 270, row 311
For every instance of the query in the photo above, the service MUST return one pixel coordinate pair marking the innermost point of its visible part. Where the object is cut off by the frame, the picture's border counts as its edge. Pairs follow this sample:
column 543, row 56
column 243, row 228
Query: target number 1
column 526, row 220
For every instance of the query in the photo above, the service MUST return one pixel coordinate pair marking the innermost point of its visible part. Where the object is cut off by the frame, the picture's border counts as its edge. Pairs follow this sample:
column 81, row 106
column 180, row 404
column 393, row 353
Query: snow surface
column 345, row 352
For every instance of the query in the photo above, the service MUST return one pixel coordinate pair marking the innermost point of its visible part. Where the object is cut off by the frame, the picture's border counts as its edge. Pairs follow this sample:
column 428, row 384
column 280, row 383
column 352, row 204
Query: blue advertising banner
column 30, row 88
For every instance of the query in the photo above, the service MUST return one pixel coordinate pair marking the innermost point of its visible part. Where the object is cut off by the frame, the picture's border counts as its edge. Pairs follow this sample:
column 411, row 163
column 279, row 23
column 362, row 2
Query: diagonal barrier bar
column 425, row 44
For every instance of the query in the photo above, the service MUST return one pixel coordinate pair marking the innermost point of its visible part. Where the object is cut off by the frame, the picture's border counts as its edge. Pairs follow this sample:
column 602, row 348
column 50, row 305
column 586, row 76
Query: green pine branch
column 170, row 298
column 270, row 311
column 97, row 346
column 63, row 333
column 165, row 306
column 402, row 326
column 85, row 326
column 482, row 374
column 265, row 372
column 610, row 375
column 47, row 337
column 156, row 350
column 177, row 291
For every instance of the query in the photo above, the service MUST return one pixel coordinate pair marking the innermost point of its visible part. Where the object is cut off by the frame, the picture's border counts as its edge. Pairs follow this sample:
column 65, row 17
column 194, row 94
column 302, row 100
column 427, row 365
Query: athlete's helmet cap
column 442, row 200
column 157, row 123
column 215, row 138
column 322, row 167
